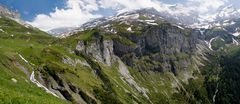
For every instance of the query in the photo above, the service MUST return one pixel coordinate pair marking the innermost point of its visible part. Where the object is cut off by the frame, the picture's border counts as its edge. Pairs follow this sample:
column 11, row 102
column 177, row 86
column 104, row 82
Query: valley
column 136, row 57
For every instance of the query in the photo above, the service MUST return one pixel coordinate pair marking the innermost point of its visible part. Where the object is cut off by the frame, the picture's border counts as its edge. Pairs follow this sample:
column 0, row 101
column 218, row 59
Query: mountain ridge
column 4, row 11
column 188, row 20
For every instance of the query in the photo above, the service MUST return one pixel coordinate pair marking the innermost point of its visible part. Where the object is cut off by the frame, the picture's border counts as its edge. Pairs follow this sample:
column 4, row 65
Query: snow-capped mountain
column 180, row 15
column 224, row 16
column 147, row 15
column 13, row 15
column 228, row 12
column 175, row 15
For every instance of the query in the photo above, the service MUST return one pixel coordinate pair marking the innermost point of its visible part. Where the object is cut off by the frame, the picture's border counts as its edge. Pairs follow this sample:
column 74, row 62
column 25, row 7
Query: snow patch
column 129, row 29
column 202, row 31
column 201, row 26
column 106, row 26
column 152, row 23
column 217, row 24
column 180, row 27
column 232, row 23
column 126, row 16
column 235, row 41
column 210, row 43
column 236, row 33
column 149, row 20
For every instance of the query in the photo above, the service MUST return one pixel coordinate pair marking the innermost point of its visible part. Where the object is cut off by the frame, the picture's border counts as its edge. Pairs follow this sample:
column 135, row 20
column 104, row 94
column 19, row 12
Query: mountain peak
column 176, row 14
column 4, row 11
column 228, row 12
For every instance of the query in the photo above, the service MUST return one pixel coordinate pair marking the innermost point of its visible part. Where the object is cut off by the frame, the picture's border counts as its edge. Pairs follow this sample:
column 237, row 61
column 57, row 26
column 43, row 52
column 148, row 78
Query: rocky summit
column 136, row 57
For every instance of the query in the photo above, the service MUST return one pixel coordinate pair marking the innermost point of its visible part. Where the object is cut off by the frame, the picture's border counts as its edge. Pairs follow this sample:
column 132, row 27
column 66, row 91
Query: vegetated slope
column 228, row 91
column 15, row 86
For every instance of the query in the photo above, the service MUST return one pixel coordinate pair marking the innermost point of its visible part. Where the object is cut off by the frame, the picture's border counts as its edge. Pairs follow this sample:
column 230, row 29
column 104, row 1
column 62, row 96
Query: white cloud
column 126, row 5
column 197, row 6
column 204, row 6
column 76, row 13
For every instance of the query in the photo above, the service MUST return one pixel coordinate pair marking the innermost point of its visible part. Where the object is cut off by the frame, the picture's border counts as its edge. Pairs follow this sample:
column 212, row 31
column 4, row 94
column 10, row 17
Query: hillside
column 17, row 41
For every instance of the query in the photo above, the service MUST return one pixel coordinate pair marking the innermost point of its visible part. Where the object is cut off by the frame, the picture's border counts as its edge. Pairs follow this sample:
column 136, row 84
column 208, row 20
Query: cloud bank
column 77, row 12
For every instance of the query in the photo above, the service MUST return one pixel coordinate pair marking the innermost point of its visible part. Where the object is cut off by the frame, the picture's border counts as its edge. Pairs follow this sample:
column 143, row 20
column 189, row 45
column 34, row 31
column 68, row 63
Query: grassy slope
column 14, row 40
column 37, row 47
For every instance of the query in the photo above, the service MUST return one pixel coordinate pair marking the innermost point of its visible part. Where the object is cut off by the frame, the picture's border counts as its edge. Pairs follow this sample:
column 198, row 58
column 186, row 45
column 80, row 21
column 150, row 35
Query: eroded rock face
column 108, row 54
column 126, row 76
column 74, row 62
column 63, row 88
column 167, row 41
column 102, row 51
column 158, row 48
column 80, row 46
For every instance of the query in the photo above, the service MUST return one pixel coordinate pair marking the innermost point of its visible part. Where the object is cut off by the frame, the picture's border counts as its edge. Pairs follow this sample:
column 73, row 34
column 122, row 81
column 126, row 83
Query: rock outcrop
column 101, row 50
column 4, row 11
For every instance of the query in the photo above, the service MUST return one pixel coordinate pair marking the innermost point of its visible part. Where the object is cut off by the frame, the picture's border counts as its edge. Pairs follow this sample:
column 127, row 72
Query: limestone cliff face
column 100, row 50
column 158, row 48
column 161, row 47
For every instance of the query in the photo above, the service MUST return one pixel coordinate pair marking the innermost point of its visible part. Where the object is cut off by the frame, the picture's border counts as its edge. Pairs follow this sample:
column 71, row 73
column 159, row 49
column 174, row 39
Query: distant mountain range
column 175, row 16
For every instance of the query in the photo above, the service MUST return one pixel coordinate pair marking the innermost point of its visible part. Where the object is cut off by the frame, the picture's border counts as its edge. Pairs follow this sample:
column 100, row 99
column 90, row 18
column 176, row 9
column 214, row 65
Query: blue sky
column 49, row 14
column 29, row 9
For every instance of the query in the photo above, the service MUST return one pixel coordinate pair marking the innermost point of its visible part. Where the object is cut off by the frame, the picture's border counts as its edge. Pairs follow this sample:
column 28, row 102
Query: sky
column 50, row 14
